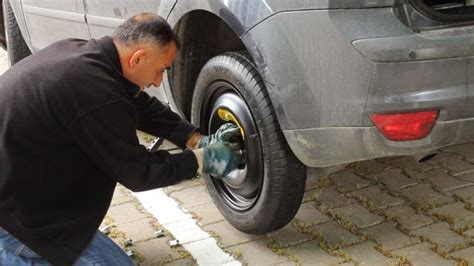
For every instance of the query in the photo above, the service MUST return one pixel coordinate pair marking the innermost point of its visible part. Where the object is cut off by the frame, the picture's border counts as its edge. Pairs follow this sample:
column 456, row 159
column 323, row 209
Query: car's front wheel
column 265, row 194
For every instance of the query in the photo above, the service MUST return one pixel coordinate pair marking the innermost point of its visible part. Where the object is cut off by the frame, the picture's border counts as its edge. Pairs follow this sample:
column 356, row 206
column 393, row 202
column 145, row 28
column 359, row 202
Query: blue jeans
column 101, row 251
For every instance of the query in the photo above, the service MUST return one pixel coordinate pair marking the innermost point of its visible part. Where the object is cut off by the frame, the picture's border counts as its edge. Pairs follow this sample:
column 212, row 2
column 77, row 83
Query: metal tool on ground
column 129, row 252
column 174, row 243
column 159, row 233
column 127, row 243
column 106, row 229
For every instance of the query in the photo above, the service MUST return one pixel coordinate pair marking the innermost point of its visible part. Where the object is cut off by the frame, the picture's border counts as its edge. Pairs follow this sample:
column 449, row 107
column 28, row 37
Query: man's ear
column 137, row 59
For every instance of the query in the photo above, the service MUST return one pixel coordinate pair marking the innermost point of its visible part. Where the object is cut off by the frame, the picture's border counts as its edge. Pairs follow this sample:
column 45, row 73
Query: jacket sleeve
column 108, row 136
column 159, row 120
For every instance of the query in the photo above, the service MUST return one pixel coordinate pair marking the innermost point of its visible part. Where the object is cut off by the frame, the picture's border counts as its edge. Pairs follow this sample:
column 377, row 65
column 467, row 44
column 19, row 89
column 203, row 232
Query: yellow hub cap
column 229, row 117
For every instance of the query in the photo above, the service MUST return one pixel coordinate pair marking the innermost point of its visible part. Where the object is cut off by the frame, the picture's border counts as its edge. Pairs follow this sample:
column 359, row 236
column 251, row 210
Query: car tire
column 16, row 45
column 266, row 193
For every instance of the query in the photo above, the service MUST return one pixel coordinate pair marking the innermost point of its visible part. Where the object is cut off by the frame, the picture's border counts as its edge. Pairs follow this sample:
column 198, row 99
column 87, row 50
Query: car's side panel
column 242, row 15
column 322, row 73
column 50, row 21
column 104, row 16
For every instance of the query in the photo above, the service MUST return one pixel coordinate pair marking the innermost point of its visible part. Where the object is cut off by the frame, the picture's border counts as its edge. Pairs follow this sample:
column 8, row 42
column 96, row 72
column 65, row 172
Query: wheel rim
column 241, row 188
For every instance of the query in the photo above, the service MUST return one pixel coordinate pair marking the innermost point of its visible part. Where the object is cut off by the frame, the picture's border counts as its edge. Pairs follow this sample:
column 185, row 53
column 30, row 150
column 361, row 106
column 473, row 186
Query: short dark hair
column 145, row 27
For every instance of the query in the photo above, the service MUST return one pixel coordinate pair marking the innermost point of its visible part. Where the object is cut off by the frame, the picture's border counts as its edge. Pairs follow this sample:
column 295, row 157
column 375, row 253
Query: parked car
column 312, row 83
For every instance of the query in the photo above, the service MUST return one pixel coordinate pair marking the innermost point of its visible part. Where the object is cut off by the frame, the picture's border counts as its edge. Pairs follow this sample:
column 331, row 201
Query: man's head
column 147, row 47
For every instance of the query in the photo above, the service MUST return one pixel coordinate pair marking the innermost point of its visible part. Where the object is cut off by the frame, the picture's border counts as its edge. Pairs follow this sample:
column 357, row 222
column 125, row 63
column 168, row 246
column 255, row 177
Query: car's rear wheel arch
column 203, row 35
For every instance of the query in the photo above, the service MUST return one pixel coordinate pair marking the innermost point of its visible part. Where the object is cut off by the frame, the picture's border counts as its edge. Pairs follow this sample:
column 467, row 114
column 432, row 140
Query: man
column 68, row 120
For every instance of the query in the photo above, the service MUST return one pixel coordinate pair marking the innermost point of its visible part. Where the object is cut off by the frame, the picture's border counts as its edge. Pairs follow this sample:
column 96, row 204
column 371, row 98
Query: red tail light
column 405, row 126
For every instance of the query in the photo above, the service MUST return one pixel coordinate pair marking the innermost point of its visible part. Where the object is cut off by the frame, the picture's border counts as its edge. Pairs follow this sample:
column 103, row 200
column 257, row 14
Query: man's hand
column 226, row 134
column 217, row 159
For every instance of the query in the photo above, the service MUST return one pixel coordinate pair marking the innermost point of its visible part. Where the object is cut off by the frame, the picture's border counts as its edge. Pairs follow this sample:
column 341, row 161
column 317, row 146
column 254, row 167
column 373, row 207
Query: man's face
column 149, row 66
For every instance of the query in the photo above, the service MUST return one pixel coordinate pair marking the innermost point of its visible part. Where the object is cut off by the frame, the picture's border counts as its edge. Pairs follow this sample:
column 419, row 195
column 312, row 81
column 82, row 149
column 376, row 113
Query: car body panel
column 325, row 92
column 322, row 73
column 242, row 15
column 63, row 17
column 104, row 16
column 330, row 146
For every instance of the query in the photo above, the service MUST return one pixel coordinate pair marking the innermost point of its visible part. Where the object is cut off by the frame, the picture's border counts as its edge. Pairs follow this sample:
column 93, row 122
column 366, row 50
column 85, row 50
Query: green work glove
column 217, row 159
column 227, row 134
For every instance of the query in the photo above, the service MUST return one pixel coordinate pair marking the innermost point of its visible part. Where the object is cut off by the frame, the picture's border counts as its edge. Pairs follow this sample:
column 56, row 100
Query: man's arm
column 159, row 120
column 107, row 135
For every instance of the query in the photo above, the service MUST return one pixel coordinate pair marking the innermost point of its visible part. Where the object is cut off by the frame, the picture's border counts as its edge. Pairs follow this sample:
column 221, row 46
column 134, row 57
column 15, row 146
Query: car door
column 103, row 16
column 49, row 21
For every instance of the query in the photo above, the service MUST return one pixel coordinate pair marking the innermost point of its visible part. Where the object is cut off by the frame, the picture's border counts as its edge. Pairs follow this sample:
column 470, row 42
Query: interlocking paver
column 319, row 177
column 423, row 196
column 465, row 254
column 329, row 198
column 310, row 253
column 440, row 233
column 125, row 213
column 288, row 236
column 356, row 215
column 309, row 215
column 256, row 252
column 182, row 262
column 376, row 199
column 367, row 167
column 455, row 165
column 366, row 254
column 390, row 197
column 469, row 234
column 288, row 263
column 407, row 217
column 312, row 183
column 347, row 181
column 410, row 166
column 468, row 177
column 157, row 251
column 421, row 255
column 442, row 181
column 465, row 150
column 193, row 196
column 139, row 230
column 227, row 235
column 214, row 254
column 309, row 195
column 206, row 213
column 443, row 153
column 389, row 237
column 335, row 235
column 394, row 179
column 121, row 196
column 457, row 215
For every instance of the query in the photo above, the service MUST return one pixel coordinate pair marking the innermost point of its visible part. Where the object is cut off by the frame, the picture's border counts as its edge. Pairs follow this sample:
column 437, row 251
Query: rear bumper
column 325, row 78
column 322, row 147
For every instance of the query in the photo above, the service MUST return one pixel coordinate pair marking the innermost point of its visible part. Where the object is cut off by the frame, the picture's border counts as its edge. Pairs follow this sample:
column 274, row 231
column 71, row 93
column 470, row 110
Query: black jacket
column 68, row 120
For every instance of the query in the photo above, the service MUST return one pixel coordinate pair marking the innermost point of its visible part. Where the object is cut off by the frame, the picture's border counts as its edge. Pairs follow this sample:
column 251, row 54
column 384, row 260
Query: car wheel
column 16, row 45
column 265, row 194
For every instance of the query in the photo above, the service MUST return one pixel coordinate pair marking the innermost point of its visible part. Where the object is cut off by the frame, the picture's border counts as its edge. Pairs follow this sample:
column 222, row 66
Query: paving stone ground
column 390, row 211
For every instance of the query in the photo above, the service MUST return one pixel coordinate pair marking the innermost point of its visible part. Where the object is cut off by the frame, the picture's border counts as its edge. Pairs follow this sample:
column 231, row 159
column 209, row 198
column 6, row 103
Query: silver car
column 311, row 83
